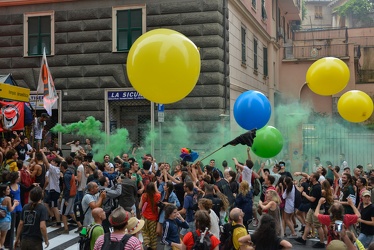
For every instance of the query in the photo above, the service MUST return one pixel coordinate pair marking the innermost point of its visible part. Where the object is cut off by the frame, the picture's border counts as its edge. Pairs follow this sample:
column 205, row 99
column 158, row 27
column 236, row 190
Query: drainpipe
column 225, row 74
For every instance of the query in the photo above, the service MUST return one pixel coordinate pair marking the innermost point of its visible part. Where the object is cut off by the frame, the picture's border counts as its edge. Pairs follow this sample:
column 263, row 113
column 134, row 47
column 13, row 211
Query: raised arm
column 240, row 166
column 248, row 153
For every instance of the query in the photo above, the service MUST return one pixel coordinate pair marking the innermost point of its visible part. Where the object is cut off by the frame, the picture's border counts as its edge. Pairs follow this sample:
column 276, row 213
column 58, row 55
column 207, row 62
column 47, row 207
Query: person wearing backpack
column 69, row 192
column 118, row 239
column 146, row 174
column 10, row 163
column 192, row 240
column 96, row 228
column 244, row 201
column 110, row 202
column 90, row 201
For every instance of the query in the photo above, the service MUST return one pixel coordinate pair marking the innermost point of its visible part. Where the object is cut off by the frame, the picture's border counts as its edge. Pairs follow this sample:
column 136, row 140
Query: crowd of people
column 180, row 205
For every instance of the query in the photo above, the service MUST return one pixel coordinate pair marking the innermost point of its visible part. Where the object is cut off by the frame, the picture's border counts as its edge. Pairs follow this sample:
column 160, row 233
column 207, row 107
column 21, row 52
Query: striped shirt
column 132, row 244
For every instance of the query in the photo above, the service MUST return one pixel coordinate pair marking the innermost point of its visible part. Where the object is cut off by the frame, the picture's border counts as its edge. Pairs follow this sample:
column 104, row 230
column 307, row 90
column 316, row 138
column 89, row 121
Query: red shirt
column 189, row 241
column 151, row 213
column 348, row 220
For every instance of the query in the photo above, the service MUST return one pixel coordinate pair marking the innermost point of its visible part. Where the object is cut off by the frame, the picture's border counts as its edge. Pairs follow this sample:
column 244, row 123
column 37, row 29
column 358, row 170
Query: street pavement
column 69, row 241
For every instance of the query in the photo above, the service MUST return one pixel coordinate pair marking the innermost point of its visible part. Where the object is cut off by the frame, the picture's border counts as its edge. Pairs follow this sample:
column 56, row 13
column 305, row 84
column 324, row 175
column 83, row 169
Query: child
column 173, row 220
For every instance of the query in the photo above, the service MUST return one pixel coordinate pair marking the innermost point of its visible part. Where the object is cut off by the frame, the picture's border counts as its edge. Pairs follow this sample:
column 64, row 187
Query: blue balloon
column 252, row 109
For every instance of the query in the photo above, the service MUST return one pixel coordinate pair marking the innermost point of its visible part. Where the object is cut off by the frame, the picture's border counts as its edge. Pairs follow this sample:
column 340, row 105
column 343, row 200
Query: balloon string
column 211, row 153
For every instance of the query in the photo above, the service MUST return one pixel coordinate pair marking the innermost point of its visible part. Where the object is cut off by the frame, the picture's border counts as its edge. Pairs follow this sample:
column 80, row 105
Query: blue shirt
column 171, row 231
column 17, row 196
column 7, row 218
column 188, row 205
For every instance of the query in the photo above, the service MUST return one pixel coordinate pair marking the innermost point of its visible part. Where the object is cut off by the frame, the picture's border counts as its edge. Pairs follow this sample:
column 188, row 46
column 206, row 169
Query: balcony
column 320, row 34
column 292, row 8
column 315, row 52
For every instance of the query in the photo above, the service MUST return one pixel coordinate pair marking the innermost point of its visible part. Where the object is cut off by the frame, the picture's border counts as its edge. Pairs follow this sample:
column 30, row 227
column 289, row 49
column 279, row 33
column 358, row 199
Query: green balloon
column 268, row 142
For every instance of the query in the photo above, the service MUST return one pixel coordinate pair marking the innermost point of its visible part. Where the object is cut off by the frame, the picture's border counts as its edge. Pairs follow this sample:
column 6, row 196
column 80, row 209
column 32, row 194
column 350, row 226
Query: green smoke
column 114, row 144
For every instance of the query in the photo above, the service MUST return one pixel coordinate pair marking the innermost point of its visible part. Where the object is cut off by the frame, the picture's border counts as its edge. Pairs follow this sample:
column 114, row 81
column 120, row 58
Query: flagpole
column 211, row 153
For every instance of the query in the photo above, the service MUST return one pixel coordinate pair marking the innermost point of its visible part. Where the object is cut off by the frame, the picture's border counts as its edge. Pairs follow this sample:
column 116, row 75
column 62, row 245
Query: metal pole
column 160, row 131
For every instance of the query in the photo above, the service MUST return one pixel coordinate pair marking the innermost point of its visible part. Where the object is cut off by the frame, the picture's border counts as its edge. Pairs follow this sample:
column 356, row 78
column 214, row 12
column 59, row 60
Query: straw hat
column 134, row 225
column 336, row 245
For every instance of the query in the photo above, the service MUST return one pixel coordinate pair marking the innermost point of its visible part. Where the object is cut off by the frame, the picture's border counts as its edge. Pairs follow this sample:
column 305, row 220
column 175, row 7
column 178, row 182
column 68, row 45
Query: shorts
column 53, row 198
column 4, row 226
column 31, row 244
column 69, row 209
column 312, row 220
column 46, row 196
column 304, row 207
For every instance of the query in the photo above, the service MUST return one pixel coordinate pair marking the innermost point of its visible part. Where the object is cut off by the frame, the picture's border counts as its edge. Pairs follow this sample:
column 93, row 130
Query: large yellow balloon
column 163, row 65
column 327, row 76
column 355, row 106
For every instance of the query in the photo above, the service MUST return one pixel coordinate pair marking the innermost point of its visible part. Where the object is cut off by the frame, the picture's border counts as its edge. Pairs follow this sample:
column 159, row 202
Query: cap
column 336, row 245
column 328, row 163
column 366, row 193
column 134, row 225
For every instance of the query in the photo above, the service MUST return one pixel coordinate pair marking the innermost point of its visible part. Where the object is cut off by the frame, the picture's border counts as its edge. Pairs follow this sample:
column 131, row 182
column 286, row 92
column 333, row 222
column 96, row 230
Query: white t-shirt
column 38, row 129
column 74, row 148
column 214, row 223
column 54, row 178
column 247, row 175
column 290, row 201
column 83, row 182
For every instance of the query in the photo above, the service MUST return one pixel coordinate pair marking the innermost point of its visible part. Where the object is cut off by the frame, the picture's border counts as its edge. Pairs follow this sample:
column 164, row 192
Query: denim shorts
column 4, row 226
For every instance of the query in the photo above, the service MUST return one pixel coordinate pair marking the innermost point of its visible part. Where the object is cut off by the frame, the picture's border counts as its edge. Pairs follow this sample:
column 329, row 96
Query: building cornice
column 5, row 3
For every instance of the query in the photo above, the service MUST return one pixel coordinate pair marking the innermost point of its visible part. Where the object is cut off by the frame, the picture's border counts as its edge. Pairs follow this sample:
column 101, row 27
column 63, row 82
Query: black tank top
column 41, row 178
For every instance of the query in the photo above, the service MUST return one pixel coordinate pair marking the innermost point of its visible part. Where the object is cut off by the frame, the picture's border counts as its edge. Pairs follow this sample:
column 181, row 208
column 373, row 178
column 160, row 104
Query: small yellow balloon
column 163, row 65
column 355, row 106
column 327, row 76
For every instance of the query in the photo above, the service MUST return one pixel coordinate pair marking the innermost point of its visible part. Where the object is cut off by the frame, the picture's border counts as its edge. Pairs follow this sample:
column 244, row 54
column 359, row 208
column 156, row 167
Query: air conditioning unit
column 280, row 32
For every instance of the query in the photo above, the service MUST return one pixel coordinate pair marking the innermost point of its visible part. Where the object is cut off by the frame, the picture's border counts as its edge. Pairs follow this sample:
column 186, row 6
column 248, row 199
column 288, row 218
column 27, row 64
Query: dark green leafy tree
column 359, row 10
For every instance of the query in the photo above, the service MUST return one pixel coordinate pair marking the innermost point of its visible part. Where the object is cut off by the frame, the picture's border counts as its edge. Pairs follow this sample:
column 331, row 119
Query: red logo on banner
column 12, row 116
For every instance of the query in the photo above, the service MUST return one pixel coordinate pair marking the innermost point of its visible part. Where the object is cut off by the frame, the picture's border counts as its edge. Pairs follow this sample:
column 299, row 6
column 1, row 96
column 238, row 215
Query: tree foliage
column 357, row 9
column 304, row 11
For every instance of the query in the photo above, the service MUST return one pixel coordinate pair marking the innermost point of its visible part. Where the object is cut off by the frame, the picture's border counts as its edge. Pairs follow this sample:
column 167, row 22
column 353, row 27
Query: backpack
column 85, row 240
column 194, row 201
column 297, row 201
column 205, row 245
column 78, row 211
column 26, row 179
column 226, row 236
column 146, row 178
column 256, row 187
column 115, row 245
column 6, row 165
column 73, row 186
